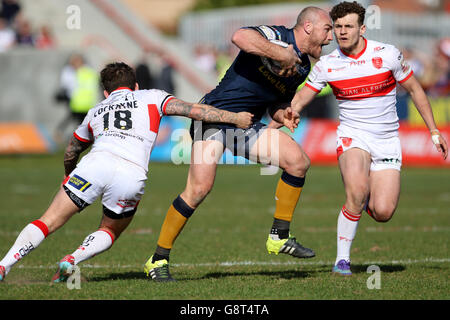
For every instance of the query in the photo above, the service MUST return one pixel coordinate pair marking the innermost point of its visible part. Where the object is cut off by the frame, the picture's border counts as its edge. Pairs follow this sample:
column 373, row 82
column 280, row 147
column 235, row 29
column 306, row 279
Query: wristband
column 435, row 132
column 435, row 139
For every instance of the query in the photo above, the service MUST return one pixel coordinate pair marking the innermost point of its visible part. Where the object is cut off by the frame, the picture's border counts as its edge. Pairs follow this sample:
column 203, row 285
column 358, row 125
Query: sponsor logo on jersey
column 379, row 48
column 272, row 79
column 357, row 63
column 364, row 87
column 126, row 203
column 377, row 62
column 390, row 160
column 79, row 183
column 336, row 69
column 346, row 141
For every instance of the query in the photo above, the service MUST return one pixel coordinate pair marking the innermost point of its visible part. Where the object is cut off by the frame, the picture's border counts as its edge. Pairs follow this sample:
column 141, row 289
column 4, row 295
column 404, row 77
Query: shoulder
column 381, row 48
column 151, row 94
column 270, row 32
column 329, row 58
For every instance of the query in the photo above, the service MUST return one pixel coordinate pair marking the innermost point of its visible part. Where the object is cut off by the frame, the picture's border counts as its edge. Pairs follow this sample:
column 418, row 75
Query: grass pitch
column 221, row 253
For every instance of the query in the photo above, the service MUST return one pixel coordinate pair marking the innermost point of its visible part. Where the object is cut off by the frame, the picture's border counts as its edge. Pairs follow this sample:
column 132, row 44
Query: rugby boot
column 64, row 269
column 342, row 268
column 288, row 246
column 158, row 271
column 2, row 273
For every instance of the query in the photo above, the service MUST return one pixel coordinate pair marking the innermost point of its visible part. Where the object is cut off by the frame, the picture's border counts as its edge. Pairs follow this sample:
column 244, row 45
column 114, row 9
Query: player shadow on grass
column 285, row 274
column 388, row 268
column 279, row 274
column 133, row 275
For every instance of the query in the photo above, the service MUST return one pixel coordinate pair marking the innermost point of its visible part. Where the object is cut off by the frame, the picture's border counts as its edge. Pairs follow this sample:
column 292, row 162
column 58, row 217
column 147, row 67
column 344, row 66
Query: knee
column 383, row 213
column 297, row 164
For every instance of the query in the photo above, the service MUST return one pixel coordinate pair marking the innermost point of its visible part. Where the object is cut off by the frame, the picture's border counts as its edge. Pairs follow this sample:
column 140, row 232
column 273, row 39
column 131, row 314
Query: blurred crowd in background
column 433, row 71
column 16, row 30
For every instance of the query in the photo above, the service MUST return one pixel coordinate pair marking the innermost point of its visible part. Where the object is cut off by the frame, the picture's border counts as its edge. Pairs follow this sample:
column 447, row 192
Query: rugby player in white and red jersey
column 122, row 130
column 363, row 75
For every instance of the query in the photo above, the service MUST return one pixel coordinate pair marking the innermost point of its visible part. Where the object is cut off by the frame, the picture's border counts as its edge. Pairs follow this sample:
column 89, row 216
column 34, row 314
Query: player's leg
column 59, row 212
column 202, row 172
column 111, row 226
column 122, row 187
column 354, row 165
column 384, row 178
column 277, row 148
column 384, row 194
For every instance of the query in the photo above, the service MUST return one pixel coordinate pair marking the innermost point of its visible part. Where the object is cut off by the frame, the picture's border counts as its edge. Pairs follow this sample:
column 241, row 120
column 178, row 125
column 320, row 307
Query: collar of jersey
column 291, row 40
column 356, row 56
column 120, row 89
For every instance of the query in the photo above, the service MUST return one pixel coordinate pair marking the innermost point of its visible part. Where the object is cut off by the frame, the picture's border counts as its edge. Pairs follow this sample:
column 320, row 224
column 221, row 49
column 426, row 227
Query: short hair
column 116, row 75
column 308, row 13
column 344, row 8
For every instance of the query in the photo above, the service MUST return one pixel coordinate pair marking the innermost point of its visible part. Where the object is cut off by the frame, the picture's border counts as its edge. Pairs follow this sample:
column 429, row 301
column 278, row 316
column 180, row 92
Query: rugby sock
column 287, row 194
column 29, row 238
column 346, row 231
column 160, row 254
column 280, row 229
column 176, row 217
column 95, row 243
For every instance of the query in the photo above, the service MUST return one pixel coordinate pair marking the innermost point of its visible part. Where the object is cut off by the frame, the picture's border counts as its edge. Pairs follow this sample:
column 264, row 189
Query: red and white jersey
column 125, row 124
column 364, row 85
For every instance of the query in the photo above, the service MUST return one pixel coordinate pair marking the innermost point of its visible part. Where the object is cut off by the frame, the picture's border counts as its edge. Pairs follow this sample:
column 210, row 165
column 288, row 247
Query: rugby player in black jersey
column 249, row 86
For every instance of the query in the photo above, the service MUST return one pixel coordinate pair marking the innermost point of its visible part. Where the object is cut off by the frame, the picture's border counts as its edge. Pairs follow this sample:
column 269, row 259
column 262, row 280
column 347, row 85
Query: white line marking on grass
column 249, row 263
column 144, row 231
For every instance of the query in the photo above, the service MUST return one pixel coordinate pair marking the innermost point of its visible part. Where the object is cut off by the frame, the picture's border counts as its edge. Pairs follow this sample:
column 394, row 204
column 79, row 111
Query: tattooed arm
column 208, row 113
column 73, row 151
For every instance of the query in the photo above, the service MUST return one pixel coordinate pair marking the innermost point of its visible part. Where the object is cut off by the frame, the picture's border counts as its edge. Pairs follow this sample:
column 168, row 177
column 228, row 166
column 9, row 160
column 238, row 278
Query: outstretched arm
column 423, row 106
column 208, row 113
column 73, row 151
column 290, row 117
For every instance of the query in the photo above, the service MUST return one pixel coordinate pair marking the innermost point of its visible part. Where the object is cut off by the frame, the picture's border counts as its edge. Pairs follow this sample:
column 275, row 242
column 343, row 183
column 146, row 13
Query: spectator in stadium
column 9, row 10
column 249, row 86
column 7, row 36
column 78, row 89
column 44, row 39
column 363, row 74
column 205, row 58
column 115, row 169
column 24, row 33
column 144, row 75
column 165, row 80
column 440, row 83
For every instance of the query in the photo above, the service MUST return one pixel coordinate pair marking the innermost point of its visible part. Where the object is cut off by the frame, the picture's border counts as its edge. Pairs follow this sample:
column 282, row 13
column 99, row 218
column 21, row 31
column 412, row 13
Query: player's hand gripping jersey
column 249, row 86
column 125, row 124
column 364, row 86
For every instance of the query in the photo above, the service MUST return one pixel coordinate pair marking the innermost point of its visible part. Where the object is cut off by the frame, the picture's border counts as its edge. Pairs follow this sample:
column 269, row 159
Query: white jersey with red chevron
column 364, row 85
column 125, row 124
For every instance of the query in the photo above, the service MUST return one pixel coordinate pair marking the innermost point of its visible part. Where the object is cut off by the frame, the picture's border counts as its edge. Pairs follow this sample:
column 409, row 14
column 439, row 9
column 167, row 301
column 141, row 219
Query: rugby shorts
column 386, row 153
column 238, row 141
column 119, row 182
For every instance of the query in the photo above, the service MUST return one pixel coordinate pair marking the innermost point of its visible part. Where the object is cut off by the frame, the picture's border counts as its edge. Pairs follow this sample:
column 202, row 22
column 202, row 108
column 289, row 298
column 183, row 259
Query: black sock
column 160, row 254
column 281, row 228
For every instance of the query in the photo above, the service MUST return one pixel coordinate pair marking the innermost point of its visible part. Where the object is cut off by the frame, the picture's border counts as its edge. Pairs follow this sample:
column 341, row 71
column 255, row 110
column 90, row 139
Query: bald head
column 313, row 30
column 311, row 14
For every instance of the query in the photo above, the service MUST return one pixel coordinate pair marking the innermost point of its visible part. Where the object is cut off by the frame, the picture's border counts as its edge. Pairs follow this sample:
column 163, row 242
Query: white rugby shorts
column 119, row 182
column 386, row 153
